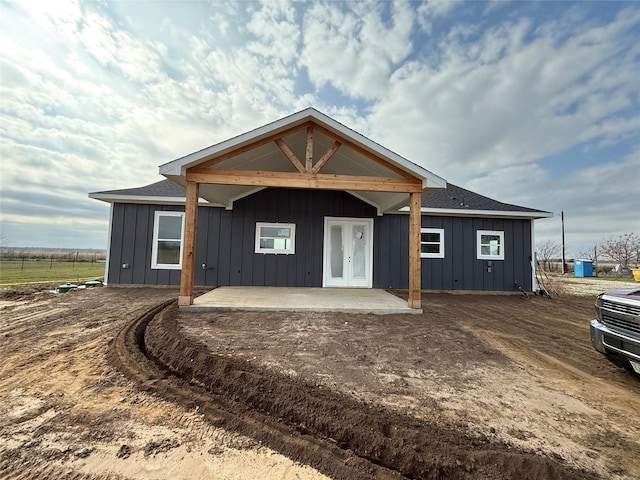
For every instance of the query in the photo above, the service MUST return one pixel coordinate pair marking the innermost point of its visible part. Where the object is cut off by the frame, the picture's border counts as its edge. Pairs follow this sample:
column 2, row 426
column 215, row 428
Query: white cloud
column 276, row 29
column 353, row 50
column 430, row 10
column 607, row 192
column 509, row 99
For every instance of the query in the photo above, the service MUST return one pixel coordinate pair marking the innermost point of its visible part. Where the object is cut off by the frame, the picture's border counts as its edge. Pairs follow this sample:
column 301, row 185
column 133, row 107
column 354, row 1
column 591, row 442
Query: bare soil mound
column 339, row 435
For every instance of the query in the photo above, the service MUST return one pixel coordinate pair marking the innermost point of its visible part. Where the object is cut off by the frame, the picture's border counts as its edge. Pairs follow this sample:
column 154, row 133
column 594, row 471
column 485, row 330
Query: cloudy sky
column 536, row 104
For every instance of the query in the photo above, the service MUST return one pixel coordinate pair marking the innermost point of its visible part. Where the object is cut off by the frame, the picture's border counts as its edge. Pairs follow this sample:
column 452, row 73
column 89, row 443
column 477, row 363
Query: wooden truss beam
column 326, row 157
column 307, row 125
column 259, row 178
column 308, row 167
column 290, row 155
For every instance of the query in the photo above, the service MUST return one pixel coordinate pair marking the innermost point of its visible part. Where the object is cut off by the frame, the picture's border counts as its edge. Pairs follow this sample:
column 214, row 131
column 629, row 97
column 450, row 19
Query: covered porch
column 300, row 299
column 310, row 151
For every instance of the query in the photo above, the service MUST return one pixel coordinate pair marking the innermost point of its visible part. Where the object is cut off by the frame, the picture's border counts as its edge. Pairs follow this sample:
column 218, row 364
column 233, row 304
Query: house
column 306, row 201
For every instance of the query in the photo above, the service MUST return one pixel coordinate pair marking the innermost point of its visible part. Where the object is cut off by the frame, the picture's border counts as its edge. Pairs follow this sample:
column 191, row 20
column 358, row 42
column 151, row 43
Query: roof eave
column 455, row 212
column 146, row 199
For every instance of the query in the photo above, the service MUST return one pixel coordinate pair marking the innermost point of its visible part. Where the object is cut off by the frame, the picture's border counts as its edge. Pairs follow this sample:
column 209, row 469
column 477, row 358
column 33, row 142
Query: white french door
column 348, row 252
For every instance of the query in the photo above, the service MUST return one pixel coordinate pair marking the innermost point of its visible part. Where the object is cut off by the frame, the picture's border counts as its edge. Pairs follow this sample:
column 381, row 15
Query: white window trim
column 276, row 251
column 440, row 254
column 479, row 235
column 154, row 249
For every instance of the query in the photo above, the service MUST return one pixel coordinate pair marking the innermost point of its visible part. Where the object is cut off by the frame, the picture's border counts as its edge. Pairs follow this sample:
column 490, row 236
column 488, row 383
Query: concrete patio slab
column 352, row 300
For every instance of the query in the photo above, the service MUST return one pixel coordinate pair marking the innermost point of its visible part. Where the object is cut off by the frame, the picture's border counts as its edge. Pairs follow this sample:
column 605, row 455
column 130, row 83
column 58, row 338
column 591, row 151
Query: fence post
column 22, row 268
column 51, row 263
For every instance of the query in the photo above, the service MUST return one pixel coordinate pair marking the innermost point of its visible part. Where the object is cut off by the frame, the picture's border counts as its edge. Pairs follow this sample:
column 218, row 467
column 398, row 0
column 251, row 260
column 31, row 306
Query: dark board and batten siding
column 225, row 245
column 225, row 241
column 131, row 241
column 459, row 269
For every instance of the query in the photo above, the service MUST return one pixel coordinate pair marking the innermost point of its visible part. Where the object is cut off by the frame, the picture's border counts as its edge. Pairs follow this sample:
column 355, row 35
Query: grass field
column 14, row 272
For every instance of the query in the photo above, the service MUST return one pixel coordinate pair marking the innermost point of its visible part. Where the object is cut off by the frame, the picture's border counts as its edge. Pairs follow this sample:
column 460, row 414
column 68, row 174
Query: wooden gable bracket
column 290, row 155
column 338, row 142
column 306, row 176
column 308, row 166
column 326, row 157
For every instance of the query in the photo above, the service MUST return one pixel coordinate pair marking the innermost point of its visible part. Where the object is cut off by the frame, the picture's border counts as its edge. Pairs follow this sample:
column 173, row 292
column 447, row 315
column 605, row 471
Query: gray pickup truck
column 616, row 330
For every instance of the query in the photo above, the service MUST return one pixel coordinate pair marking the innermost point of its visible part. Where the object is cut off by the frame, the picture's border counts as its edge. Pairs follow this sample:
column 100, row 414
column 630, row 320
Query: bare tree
column 592, row 255
column 624, row 250
column 589, row 254
column 3, row 240
column 547, row 251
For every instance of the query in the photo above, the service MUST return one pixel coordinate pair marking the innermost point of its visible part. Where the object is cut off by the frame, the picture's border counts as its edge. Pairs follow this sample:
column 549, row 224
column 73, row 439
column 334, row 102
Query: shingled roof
column 452, row 200
column 163, row 188
column 458, row 198
column 163, row 192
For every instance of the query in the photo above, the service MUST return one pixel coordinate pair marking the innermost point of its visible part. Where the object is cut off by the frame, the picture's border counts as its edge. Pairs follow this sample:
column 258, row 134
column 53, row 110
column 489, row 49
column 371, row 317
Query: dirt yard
column 479, row 386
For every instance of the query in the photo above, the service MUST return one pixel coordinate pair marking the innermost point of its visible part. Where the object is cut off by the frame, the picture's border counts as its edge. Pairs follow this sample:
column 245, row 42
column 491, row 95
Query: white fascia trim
column 112, row 198
column 180, row 165
column 534, row 278
column 454, row 212
column 108, row 259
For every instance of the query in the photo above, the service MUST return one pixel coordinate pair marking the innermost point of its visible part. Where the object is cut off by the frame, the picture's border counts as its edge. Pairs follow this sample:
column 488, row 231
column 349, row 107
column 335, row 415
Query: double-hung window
column 278, row 238
column 167, row 240
column 490, row 244
column 431, row 243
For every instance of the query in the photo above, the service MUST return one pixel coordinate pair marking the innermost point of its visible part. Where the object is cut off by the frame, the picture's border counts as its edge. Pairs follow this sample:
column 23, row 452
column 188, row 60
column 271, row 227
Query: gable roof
column 452, row 200
column 256, row 150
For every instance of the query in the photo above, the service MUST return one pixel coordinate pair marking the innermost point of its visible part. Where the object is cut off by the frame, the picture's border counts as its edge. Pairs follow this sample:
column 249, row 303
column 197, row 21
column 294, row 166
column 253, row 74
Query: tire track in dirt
column 129, row 355
column 52, row 366
column 559, row 350
column 38, row 470
column 339, row 436
column 30, row 317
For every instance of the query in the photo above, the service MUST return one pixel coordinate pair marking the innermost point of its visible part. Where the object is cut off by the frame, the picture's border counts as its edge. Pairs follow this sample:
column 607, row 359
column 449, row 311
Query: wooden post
column 564, row 259
column 189, row 247
column 415, row 204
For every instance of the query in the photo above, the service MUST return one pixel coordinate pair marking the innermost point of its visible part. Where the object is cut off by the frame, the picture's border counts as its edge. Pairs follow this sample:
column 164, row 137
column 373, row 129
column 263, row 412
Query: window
column 275, row 238
column 431, row 243
column 167, row 240
column 490, row 245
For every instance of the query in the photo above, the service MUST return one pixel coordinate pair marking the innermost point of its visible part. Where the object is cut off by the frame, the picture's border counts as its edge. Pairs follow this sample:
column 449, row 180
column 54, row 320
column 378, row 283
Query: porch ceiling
column 257, row 151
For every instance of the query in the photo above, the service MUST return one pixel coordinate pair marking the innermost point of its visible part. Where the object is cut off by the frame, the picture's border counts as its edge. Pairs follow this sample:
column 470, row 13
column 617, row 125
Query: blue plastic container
column 583, row 268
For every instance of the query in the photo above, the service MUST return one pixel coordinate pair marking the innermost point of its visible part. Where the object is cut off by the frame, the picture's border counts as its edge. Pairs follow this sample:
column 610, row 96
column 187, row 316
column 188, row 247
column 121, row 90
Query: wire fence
column 51, row 257
column 20, row 267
